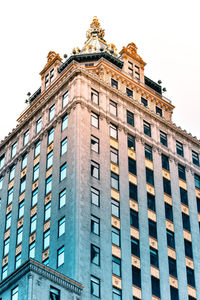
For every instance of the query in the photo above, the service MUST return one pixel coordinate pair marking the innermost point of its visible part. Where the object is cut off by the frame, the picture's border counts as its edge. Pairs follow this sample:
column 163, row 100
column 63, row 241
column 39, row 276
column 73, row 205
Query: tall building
column 100, row 190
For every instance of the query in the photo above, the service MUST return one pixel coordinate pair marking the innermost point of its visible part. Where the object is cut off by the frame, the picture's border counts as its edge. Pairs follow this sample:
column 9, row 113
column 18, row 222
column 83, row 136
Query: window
column 137, row 72
column 34, row 197
column 19, row 235
column 51, row 112
column 114, row 156
column 51, row 75
column 114, row 83
column 47, row 211
column 152, row 229
column 2, row 161
column 116, row 266
column 130, row 68
column 49, row 159
column 95, row 196
column 95, row 286
column 184, row 196
column 95, row 225
column 94, row 144
column 95, row 97
column 147, row 128
column 113, row 108
column 132, row 166
column 154, row 257
column 155, row 285
column 95, row 255
column 170, row 239
column 4, row 272
column 197, row 181
column 134, row 220
column 60, row 256
column 62, row 198
column 114, row 181
column 133, row 191
column 21, row 210
column 130, row 118
column 181, row 172
column 159, row 111
column 14, row 293
column 135, row 247
column 186, row 222
column 38, row 125
column 63, row 146
column 65, row 99
column 46, row 239
column 63, row 171
column 195, row 158
column 13, row 149
column 144, row 102
column 12, row 173
column 94, row 120
column 37, row 149
column 22, row 184
column 36, row 172
column 10, row 196
column 190, row 277
column 113, row 131
column 179, row 148
column 8, row 220
column 46, row 80
column 48, row 185
column 26, row 137
column 54, row 293
column 168, row 212
column 188, row 249
column 172, row 267
column 163, row 138
column 33, row 224
column 95, row 169
column 198, row 204
column 18, row 261
column 50, row 136
column 1, row 182
column 24, row 160
column 165, row 162
column 148, row 152
column 32, row 250
column 116, row 294
column 46, row 262
column 149, row 176
column 64, row 122
column 167, row 186
column 61, row 226
column 115, row 236
column 136, row 276
column 131, row 142
column 174, row 293
column 151, row 202
column 129, row 93
column 115, row 208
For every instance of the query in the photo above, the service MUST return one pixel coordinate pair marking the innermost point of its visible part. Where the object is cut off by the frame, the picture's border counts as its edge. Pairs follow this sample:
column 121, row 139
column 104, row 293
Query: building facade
column 99, row 185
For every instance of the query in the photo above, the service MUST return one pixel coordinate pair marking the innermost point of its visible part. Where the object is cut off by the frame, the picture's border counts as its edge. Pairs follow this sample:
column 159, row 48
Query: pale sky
column 167, row 34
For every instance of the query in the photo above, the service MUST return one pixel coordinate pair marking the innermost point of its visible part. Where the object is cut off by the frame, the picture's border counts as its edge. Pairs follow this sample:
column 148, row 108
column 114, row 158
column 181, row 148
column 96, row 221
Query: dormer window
column 46, row 80
column 137, row 72
column 51, row 75
column 130, row 68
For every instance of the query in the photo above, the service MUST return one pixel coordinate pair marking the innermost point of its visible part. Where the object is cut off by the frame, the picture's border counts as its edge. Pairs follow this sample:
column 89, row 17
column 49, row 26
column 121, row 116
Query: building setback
column 100, row 190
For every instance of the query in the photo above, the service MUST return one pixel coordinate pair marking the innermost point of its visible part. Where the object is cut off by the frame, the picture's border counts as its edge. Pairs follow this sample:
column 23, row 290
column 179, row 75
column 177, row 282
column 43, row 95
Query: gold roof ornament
column 51, row 58
column 95, row 29
column 131, row 50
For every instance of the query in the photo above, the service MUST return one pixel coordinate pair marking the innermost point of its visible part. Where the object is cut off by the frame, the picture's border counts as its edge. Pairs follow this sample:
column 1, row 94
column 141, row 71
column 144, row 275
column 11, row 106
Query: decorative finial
column 95, row 29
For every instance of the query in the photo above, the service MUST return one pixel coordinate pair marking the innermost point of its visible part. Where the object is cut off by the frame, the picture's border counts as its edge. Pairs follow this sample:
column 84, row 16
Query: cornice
column 46, row 272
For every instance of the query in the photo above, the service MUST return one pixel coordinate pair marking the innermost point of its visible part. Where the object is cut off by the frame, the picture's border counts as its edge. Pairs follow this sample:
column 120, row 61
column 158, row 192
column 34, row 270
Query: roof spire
column 95, row 30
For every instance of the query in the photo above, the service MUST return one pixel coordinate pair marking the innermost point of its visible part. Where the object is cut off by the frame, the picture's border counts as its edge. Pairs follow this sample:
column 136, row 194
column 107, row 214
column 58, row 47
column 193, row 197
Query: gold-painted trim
column 133, row 205
column 50, row 148
column 182, row 184
column 132, row 178
column 168, row 199
column 45, row 254
column 49, row 172
column 115, row 222
column 35, row 185
column 151, row 215
column 9, row 209
column 153, row 243
column 5, row 261
column 171, row 252
column 23, row 172
column 21, row 197
column 36, row 160
column 135, row 261
column 114, row 168
column 116, row 251
column 135, row 233
column 187, row 235
column 33, row 210
column 20, row 222
column 165, row 174
column 185, row 209
column 148, row 164
column 169, row 225
column 116, row 282
column 173, row 281
column 137, row 292
column 155, row 272
column 11, row 184
column 131, row 153
column 47, row 199
column 115, row 194
column 18, row 249
column 46, row 226
column 150, row 189
column 7, row 234
column 32, row 238
column 114, row 143
column 189, row 263
column 197, row 193
column 192, row 291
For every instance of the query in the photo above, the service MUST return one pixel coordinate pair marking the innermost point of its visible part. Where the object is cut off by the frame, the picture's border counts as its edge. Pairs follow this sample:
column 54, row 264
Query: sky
column 167, row 34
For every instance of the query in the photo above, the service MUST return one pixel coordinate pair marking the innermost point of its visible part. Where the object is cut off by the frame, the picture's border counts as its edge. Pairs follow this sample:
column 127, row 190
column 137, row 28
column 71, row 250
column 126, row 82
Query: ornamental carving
column 131, row 50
